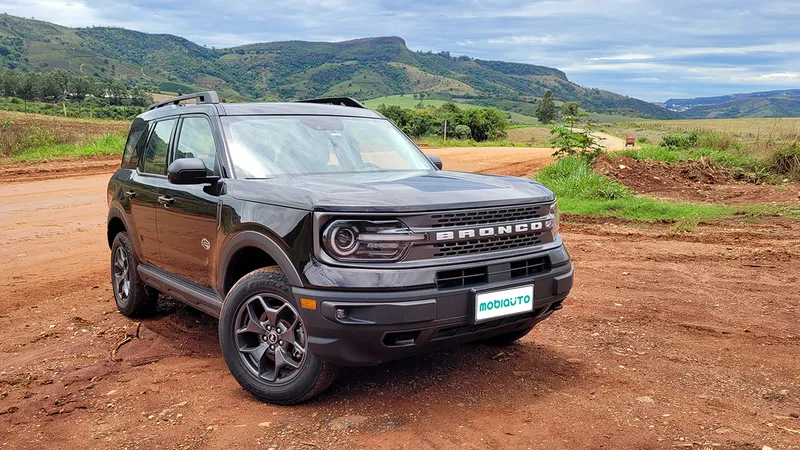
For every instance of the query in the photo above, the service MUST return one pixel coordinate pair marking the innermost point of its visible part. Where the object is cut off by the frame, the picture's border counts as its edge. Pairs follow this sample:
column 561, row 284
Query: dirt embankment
column 696, row 181
column 45, row 170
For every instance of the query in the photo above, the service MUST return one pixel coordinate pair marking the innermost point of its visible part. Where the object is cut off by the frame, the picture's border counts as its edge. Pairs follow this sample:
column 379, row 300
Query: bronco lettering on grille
column 471, row 233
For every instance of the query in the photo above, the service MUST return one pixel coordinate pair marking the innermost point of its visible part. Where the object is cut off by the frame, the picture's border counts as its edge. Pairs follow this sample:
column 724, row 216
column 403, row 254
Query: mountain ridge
column 364, row 68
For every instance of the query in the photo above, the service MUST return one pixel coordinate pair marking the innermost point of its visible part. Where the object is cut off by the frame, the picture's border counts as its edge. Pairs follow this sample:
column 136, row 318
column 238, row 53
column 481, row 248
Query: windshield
column 274, row 146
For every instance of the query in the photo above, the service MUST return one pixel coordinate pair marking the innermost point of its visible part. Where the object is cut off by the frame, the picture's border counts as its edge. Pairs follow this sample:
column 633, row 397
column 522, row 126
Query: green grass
column 108, row 145
column 645, row 209
column 581, row 191
column 573, row 178
column 726, row 158
column 432, row 141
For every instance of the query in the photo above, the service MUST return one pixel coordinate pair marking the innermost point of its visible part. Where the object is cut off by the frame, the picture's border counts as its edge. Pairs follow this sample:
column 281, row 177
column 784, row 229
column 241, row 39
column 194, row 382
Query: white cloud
column 524, row 40
column 62, row 12
column 624, row 57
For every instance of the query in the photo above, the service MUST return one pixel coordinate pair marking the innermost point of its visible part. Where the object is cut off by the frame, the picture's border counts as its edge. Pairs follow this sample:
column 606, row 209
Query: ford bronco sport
column 321, row 236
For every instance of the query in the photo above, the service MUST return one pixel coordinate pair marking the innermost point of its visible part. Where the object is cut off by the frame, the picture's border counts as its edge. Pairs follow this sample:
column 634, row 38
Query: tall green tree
column 546, row 112
column 570, row 109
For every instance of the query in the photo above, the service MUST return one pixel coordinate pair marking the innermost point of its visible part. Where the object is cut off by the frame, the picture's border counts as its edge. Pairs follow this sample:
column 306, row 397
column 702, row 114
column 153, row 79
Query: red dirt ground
column 667, row 341
column 695, row 181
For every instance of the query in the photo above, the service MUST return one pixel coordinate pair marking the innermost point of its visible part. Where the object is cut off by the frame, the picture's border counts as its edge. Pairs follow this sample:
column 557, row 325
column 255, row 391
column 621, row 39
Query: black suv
column 321, row 236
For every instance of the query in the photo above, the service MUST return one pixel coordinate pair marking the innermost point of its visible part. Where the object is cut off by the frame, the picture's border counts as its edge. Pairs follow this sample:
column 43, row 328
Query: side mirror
column 189, row 171
column 435, row 160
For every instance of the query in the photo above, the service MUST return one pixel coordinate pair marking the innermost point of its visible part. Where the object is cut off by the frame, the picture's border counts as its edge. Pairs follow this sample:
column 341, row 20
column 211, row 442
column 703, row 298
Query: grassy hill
column 679, row 104
column 747, row 108
column 362, row 68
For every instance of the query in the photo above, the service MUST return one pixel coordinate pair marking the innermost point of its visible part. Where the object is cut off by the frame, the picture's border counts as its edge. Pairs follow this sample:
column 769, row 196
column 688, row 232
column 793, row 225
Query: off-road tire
column 140, row 301
column 313, row 375
column 507, row 338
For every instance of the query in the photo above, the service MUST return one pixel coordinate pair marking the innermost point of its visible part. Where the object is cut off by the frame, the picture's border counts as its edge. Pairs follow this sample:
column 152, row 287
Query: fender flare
column 114, row 212
column 262, row 242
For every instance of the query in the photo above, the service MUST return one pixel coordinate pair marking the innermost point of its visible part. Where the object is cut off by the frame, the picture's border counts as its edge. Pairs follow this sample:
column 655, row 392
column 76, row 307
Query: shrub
column 642, row 139
column 567, row 140
column 462, row 132
column 680, row 140
column 786, row 161
column 719, row 141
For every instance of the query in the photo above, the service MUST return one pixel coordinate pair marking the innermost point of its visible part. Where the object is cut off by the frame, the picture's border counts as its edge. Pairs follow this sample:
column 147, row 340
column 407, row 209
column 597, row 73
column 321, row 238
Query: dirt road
column 668, row 340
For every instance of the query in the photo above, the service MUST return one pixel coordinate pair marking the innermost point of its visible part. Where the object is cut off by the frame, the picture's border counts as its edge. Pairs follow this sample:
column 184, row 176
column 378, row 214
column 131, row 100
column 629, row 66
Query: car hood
column 391, row 191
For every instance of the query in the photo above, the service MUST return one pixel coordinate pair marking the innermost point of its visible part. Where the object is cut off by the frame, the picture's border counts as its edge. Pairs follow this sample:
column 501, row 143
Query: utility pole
column 445, row 130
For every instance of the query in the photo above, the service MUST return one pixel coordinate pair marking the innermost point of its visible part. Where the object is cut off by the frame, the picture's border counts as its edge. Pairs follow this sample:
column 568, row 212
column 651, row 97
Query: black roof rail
column 209, row 97
column 340, row 101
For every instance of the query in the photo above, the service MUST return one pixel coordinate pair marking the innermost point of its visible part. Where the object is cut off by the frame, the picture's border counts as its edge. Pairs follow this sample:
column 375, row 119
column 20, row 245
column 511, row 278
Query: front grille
column 529, row 267
column 486, row 216
column 470, row 247
column 458, row 278
column 461, row 277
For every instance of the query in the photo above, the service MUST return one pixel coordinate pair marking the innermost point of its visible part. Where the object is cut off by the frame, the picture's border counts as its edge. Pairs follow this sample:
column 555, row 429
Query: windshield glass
column 274, row 146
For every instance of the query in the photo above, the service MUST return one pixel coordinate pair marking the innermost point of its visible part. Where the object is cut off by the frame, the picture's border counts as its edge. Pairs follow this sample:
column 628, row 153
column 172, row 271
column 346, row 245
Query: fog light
column 341, row 313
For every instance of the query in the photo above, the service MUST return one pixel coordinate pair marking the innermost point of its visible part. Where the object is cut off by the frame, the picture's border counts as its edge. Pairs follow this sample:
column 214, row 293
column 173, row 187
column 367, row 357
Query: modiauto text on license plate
column 508, row 302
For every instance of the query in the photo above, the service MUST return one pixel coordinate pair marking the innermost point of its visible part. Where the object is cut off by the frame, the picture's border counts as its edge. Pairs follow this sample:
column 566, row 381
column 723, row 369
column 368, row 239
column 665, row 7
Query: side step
column 184, row 291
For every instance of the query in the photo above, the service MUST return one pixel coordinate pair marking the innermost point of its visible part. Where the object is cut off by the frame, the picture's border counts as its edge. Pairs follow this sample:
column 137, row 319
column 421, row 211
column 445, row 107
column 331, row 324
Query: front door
column 187, row 224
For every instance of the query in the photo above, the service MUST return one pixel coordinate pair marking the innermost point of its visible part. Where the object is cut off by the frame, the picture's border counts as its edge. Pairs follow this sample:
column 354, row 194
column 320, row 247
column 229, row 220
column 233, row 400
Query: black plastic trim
column 394, row 313
column 181, row 289
column 261, row 241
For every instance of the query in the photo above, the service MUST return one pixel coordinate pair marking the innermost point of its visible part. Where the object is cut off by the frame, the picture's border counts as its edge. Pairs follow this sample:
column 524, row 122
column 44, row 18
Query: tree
column 570, row 109
column 63, row 80
column 546, row 112
column 569, row 140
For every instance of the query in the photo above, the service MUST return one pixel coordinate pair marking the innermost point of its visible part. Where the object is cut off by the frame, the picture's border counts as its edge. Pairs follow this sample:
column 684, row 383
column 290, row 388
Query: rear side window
column 155, row 156
column 134, row 145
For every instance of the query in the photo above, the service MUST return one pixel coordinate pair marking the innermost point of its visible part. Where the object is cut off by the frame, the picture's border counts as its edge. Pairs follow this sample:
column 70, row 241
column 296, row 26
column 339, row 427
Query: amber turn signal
column 307, row 303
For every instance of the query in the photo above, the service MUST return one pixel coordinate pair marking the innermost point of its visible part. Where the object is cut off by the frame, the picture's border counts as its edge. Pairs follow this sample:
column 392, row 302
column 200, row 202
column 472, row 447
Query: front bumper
column 381, row 326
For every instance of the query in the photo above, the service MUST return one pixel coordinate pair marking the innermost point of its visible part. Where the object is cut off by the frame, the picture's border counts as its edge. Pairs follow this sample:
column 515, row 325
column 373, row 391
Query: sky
column 648, row 49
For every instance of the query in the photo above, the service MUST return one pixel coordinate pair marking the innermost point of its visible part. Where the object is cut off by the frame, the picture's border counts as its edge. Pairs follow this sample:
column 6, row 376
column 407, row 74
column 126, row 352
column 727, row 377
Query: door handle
column 166, row 200
column 129, row 194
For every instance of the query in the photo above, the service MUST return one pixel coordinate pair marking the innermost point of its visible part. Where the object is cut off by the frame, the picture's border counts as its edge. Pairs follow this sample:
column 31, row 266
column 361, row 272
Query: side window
column 197, row 141
column 134, row 145
column 155, row 155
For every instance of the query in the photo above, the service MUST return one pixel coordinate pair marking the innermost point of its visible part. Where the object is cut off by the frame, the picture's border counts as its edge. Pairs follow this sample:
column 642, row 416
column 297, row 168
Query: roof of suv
column 293, row 109
column 209, row 102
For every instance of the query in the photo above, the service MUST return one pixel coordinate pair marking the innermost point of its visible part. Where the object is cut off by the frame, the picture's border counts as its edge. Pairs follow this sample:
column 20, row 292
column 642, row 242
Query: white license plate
column 508, row 302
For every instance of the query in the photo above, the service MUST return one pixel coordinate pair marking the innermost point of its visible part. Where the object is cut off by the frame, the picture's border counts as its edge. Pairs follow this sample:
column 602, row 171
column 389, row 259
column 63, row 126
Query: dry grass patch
column 20, row 131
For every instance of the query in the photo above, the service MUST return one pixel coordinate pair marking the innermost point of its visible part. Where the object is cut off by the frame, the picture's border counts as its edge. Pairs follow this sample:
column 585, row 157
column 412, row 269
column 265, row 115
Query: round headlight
column 344, row 240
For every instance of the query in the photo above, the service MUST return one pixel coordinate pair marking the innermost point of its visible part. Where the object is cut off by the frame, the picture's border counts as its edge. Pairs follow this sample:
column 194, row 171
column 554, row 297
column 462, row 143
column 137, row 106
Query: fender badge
column 204, row 242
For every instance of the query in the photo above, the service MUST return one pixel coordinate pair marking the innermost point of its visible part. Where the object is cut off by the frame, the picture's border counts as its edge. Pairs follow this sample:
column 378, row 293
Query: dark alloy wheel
column 270, row 338
column 121, row 275
column 265, row 344
column 133, row 298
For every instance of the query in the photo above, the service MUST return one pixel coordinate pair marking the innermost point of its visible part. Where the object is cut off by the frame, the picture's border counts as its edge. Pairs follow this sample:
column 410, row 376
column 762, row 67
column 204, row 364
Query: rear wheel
column 507, row 338
column 265, row 344
column 131, row 295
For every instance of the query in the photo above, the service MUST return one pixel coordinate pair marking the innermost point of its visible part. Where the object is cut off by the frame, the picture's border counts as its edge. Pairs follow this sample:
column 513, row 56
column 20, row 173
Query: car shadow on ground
column 472, row 374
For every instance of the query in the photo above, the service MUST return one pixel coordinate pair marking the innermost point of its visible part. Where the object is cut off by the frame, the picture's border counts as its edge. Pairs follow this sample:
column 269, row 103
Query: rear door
column 187, row 226
column 143, row 188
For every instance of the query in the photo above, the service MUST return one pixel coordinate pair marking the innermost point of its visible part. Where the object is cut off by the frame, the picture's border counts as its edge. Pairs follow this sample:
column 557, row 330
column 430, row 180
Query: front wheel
column 265, row 344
